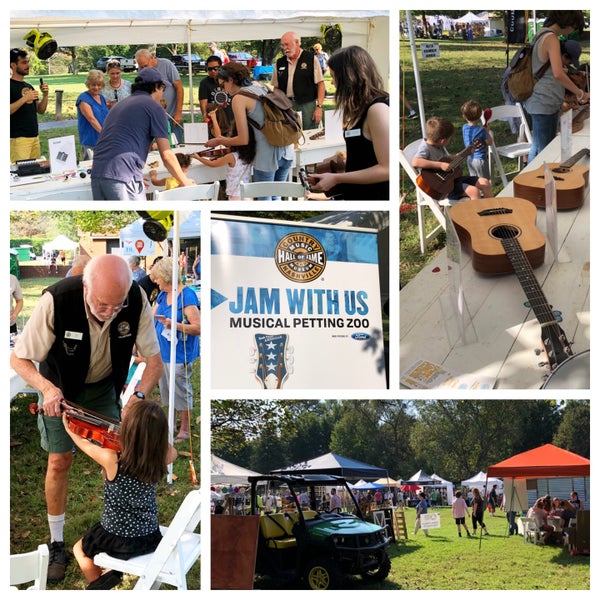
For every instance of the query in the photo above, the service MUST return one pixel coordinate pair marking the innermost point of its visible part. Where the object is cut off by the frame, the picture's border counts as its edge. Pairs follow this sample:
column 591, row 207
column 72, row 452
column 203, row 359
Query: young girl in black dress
column 129, row 525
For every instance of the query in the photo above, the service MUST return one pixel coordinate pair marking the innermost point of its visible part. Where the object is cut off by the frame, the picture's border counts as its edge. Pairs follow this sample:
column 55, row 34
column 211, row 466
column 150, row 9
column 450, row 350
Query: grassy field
column 28, row 523
column 463, row 71
column 444, row 561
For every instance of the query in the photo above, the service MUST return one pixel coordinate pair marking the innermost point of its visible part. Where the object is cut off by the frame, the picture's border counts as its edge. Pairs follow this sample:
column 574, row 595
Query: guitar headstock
column 556, row 345
column 272, row 360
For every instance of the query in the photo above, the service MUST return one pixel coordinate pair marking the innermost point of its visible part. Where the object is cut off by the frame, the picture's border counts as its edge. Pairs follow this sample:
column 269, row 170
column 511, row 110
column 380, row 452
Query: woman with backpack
column 271, row 163
column 548, row 95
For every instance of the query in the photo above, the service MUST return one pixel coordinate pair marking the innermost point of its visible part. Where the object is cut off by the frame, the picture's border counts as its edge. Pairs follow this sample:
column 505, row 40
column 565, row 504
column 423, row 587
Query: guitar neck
column 461, row 156
column 557, row 347
column 575, row 158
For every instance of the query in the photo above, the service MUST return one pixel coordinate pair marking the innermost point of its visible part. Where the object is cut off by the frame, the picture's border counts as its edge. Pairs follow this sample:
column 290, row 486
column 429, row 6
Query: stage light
column 43, row 44
column 156, row 223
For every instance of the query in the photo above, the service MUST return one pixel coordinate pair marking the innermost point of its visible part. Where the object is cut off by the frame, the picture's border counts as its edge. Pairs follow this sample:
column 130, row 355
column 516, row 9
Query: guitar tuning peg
column 252, row 351
column 542, row 364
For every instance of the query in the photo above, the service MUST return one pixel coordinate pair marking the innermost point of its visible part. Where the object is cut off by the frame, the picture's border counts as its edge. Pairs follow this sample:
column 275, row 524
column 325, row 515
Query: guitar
column 495, row 216
column 437, row 183
column 272, row 360
column 482, row 224
column 571, row 181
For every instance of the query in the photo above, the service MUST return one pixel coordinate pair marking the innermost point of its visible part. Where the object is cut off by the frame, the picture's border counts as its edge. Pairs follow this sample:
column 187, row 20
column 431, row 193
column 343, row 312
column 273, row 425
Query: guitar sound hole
column 505, row 232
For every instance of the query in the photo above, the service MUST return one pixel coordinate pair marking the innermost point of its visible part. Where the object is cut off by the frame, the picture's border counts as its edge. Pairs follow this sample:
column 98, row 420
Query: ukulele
column 571, row 181
column 437, row 183
column 495, row 220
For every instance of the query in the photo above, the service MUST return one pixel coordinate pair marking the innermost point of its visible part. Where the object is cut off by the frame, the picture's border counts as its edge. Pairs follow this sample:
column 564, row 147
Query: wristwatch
column 140, row 395
column 319, row 106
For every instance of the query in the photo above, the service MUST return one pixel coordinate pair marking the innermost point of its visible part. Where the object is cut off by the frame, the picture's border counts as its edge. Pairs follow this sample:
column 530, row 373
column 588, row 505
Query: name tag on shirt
column 352, row 133
column 73, row 335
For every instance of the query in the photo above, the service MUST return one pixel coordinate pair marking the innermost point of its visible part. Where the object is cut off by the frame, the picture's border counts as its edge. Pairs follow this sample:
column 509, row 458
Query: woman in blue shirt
column 187, row 330
column 91, row 112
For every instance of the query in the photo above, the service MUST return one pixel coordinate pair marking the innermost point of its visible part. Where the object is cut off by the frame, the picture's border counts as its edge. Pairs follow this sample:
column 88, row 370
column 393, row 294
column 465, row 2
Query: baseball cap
column 149, row 75
column 573, row 49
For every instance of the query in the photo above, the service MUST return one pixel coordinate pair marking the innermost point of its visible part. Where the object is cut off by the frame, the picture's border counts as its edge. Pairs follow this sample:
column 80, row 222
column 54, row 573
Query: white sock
column 56, row 523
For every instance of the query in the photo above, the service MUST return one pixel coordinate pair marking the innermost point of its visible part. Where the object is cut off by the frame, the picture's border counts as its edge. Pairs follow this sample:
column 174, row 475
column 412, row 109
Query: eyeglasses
column 114, row 307
column 213, row 68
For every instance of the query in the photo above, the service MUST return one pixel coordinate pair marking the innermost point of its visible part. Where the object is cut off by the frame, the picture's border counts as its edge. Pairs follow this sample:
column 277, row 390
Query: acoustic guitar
column 571, row 181
column 437, row 183
column 494, row 225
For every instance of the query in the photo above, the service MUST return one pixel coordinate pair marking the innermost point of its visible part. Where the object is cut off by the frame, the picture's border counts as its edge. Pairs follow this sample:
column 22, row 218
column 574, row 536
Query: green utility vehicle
column 302, row 539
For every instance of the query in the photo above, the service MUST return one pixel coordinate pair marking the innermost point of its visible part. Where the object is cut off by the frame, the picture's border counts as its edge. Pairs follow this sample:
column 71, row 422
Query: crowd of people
column 118, row 122
column 76, row 350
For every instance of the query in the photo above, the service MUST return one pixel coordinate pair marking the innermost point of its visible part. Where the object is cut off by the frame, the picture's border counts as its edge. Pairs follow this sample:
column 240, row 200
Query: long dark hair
column 357, row 82
column 248, row 151
column 144, row 442
column 237, row 72
column 566, row 18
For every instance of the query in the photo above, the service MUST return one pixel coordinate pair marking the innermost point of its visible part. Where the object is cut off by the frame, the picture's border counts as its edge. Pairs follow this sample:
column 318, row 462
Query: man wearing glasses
column 210, row 91
column 82, row 333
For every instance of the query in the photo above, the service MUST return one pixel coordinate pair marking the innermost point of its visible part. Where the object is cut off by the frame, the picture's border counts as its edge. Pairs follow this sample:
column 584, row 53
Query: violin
column 98, row 429
column 214, row 152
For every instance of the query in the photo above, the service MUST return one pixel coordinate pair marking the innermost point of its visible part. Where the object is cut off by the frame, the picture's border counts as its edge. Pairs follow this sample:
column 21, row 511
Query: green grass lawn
column 28, row 522
column 444, row 561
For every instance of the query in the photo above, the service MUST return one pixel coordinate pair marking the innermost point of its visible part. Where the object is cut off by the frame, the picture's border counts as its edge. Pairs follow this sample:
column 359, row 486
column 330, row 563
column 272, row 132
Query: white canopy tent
column 368, row 29
column 440, row 482
column 61, row 242
column 481, row 480
column 224, row 472
column 472, row 18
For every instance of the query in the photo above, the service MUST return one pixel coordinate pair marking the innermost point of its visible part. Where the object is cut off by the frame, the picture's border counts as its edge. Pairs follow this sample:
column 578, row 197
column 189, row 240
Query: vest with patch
column 305, row 88
column 68, row 360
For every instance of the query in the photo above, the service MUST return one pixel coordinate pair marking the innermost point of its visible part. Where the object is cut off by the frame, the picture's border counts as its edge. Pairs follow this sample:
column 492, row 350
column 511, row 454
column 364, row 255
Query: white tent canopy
column 471, row 18
column 480, row 480
column 222, row 471
column 61, row 242
column 443, row 483
column 368, row 29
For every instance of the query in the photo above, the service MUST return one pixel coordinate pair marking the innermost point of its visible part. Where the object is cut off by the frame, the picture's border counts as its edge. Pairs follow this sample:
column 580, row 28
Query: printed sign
column 430, row 521
column 294, row 305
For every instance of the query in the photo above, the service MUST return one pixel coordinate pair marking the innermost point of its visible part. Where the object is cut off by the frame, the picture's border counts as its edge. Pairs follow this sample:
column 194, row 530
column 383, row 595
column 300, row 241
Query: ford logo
column 360, row 336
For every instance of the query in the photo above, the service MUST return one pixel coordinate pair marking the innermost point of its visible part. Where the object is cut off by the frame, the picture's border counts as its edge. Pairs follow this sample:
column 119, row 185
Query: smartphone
column 41, row 81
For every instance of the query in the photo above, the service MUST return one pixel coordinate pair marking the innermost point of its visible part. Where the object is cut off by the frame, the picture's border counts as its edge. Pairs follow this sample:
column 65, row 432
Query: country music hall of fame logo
column 300, row 257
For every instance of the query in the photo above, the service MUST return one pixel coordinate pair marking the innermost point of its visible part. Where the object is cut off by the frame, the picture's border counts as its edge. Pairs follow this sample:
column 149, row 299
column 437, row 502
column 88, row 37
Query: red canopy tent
column 545, row 461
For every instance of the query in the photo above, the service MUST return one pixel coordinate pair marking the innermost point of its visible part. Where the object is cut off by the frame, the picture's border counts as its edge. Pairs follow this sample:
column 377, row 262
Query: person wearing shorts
column 82, row 333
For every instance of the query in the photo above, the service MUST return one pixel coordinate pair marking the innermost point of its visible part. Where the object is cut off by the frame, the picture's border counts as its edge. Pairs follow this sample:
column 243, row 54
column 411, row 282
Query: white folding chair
column 424, row 201
column 531, row 531
column 204, row 191
column 284, row 189
column 30, row 566
column 514, row 151
column 173, row 558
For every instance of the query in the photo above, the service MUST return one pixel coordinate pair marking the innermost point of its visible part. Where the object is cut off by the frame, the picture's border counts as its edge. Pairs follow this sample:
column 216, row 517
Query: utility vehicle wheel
column 381, row 572
column 321, row 574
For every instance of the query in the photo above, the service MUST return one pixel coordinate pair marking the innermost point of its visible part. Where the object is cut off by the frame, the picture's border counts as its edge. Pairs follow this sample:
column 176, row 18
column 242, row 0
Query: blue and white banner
column 294, row 305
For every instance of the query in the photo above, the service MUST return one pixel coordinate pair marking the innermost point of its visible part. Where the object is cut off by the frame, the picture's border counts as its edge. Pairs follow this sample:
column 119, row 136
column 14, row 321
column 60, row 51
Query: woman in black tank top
column 364, row 104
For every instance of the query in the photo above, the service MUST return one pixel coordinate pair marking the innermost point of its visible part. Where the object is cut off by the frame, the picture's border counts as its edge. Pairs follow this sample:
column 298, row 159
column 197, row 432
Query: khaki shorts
column 23, row 148
column 99, row 397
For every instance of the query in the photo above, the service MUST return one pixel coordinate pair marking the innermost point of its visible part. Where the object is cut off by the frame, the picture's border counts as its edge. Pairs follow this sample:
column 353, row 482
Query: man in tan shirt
column 82, row 333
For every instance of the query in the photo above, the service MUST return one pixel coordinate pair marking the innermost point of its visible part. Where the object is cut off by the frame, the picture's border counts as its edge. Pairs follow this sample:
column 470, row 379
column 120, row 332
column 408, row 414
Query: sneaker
column 106, row 581
column 57, row 562
column 459, row 534
column 468, row 534
column 412, row 114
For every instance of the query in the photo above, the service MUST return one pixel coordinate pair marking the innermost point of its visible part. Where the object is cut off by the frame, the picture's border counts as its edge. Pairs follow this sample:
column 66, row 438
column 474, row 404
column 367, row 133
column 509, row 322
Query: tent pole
column 190, row 72
column 173, row 356
column 413, row 50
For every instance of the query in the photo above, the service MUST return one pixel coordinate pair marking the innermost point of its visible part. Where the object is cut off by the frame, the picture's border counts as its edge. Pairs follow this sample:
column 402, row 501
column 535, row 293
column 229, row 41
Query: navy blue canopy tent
column 334, row 464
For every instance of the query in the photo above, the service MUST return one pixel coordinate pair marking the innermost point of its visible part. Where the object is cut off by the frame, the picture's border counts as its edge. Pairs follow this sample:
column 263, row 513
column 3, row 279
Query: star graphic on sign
column 271, row 356
column 270, row 345
column 271, row 367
